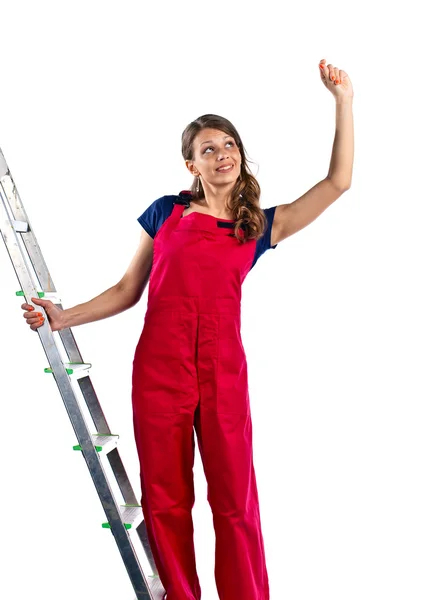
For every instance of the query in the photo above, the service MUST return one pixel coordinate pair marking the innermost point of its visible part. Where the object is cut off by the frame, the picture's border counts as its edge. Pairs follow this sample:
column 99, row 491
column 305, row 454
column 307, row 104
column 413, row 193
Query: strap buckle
column 184, row 197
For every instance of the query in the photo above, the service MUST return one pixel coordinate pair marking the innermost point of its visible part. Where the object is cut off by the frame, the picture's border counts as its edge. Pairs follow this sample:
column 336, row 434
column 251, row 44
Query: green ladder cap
column 78, row 447
column 107, row 526
column 21, row 293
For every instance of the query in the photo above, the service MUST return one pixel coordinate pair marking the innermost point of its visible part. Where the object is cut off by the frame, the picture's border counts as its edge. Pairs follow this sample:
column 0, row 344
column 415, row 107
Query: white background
column 94, row 98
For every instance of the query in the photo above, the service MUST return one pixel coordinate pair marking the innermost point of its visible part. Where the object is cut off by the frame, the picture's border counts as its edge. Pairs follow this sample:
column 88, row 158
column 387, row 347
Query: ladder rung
column 20, row 226
column 131, row 516
column 102, row 442
column 76, row 369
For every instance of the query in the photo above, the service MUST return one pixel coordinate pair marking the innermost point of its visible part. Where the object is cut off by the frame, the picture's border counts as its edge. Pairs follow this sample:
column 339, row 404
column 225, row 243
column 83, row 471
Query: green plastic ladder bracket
column 78, row 447
column 69, row 370
column 49, row 370
column 21, row 293
column 100, row 448
column 107, row 526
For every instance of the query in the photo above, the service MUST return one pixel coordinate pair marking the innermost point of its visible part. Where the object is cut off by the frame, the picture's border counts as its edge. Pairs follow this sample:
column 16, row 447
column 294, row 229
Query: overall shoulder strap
column 184, row 197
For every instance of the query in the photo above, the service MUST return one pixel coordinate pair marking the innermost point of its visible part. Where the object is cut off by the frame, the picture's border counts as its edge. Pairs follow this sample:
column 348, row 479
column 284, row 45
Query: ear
column 191, row 167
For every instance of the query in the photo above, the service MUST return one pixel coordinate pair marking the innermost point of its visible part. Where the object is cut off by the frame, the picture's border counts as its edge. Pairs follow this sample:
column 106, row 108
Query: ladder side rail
column 117, row 466
column 29, row 240
column 121, row 476
column 142, row 532
column 101, row 424
column 81, row 430
column 67, row 338
column 4, row 169
column 93, row 405
column 35, row 255
column 102, row 427
column 69, row 343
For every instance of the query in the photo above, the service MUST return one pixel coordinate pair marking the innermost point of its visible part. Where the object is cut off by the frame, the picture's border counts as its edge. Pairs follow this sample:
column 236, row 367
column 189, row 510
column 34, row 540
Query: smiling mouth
column 225, row 169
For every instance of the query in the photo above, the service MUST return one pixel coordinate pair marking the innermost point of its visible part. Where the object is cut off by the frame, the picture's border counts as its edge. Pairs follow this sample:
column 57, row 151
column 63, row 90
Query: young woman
column 190, row 370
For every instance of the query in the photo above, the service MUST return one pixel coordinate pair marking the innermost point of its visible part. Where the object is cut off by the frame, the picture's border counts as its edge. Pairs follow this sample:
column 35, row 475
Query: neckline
column 206, row 215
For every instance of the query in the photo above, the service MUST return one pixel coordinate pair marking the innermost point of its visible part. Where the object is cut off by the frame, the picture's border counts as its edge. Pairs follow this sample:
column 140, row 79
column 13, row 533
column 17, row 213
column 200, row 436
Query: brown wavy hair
column 244, row 203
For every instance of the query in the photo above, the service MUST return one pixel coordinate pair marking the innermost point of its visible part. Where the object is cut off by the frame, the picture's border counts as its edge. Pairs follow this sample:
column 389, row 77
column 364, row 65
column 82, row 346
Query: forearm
column 341, row 166
column 109, row 303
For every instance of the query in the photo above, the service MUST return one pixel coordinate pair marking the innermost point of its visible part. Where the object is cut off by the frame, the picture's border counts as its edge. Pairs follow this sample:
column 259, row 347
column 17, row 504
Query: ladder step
column 131, row 515
column 20, row 226
column 102, row 442
column 76, row 369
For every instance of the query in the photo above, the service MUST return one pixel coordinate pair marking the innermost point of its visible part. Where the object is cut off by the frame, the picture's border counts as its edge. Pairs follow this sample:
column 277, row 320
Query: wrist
column 344, row 99
column 65, row 319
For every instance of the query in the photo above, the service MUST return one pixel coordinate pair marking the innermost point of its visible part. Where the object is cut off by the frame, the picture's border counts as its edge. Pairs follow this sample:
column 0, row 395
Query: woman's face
column 214, row 149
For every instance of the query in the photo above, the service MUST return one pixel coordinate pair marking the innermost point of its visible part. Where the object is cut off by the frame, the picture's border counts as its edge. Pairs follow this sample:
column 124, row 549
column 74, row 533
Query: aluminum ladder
column 73, row 380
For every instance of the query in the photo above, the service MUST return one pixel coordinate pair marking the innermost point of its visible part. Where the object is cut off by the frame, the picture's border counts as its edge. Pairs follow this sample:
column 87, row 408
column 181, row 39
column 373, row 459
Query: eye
column 213, row 148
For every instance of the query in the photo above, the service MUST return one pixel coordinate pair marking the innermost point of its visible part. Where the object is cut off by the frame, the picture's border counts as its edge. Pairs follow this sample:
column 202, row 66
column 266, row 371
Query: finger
column 26, row 306
column 331, row 72
column 39, row 301
column 324, row 74
column 29, row 315
column 35, row 322
column 323, row 68
column 337, row 77
column 36, row 315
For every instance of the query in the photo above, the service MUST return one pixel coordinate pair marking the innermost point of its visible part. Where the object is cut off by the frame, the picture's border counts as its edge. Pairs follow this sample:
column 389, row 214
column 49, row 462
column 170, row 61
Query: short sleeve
column 154, row 216
column 263, row 244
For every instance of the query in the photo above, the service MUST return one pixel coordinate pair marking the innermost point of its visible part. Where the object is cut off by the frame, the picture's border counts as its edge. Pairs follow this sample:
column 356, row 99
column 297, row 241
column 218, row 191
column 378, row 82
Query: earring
column 197, row 186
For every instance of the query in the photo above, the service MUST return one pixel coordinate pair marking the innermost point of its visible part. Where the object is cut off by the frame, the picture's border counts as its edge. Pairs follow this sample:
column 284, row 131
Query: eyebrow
column 211, row 142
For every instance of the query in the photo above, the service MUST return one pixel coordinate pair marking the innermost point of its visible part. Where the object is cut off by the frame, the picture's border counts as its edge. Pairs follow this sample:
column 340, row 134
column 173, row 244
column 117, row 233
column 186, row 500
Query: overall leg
column 226, row 450
column 165, row 445
column 164, row 401
column 224, row 431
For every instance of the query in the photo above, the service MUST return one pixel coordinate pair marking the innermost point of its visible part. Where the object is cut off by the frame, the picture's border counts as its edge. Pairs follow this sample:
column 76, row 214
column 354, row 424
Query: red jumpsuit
column 190, row 373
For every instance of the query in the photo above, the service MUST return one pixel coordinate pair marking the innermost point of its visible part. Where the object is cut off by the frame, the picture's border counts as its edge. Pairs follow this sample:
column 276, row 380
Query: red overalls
column 190, row 371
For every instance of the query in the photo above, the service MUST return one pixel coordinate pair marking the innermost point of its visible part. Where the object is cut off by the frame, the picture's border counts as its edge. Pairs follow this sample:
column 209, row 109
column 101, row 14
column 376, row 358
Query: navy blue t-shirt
column 154, row 216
